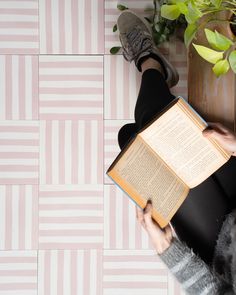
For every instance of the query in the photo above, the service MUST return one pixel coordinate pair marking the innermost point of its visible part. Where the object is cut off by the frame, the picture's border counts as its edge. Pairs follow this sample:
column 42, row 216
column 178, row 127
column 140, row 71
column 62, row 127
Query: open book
column 167, row 158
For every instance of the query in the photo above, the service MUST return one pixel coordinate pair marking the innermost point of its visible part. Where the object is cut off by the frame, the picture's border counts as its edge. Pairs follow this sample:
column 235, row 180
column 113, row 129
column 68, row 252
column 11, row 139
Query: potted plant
column 199, row 14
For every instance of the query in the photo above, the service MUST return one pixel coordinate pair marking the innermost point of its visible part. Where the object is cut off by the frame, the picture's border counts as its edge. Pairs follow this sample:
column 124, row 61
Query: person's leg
column 154, row 95
column 199, row 219
column 225, row 177
column 126, row 133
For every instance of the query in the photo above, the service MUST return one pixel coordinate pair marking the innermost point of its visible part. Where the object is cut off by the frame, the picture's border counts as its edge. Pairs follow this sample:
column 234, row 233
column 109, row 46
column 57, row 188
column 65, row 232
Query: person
column 201, row 254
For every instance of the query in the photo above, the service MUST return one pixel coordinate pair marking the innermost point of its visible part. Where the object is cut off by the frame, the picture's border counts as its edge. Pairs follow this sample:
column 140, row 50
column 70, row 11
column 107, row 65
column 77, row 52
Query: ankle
column 151, row 63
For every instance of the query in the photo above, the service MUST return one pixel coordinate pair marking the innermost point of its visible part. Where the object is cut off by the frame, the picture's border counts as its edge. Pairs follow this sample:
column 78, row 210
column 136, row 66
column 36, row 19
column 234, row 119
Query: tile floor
column 64, row 227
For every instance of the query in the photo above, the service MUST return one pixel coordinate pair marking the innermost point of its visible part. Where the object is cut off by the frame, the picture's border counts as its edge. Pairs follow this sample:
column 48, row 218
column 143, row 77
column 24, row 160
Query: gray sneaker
column 137, row 42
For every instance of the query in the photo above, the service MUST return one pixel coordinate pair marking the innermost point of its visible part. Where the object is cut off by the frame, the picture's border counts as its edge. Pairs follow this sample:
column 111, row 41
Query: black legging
column 199, row 219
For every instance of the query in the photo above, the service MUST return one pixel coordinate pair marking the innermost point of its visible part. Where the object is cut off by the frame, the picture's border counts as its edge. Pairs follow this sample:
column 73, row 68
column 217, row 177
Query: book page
column 180, row 143
column 143, row 175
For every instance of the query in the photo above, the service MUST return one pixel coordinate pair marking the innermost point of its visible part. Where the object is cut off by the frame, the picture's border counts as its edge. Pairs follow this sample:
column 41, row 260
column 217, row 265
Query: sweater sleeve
column 191, row 271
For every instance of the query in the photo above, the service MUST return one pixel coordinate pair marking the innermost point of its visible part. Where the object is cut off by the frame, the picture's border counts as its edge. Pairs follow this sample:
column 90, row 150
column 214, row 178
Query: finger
column 148, row 215
column 139, row 215
column 217, row 126
column 215, row 135
column 143, row 224
column 207, row 132
column 168, row 232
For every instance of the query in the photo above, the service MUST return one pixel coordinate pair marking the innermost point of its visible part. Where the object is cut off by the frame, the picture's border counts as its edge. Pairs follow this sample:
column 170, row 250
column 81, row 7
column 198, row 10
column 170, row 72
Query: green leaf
column 193, row 13
column 216, row 3
column 171, row 12
column 182, row 7
column 208, row 54
column 121, row 7
column 115, row 49
column 221, row 67
column 189, row 34
column 222, row 42
column 114, row 28
column 217, row 40
column 211, row 38
column 232, row 60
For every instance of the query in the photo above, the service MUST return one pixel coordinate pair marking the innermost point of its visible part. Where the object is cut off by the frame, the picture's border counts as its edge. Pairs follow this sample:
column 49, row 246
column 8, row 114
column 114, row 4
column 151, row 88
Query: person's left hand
column 161, row 238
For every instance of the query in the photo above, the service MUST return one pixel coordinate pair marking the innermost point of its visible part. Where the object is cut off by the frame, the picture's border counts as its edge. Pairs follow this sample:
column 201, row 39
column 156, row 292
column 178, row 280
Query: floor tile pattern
column 71, row 151
column 70, row 272
column 65, row 228
column 71, row 26
column 18, row 272
column 121, row 231
column 19, row 87
column 19, row 21
column 133, row 272
column 18, row 217
column 71, row 87
column 19, row 152
column 70, row 216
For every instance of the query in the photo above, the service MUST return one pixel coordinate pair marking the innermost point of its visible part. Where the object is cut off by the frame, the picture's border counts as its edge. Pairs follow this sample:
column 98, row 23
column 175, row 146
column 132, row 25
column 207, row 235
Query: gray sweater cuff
column 176, row 252
column 189, row 269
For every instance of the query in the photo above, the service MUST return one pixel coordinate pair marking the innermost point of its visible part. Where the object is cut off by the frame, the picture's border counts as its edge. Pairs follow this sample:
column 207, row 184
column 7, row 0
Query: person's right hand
column 224, row 136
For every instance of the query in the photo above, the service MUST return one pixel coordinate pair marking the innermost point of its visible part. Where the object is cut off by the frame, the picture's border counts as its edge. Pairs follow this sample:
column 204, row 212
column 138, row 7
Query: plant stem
column 218, row 10
column 155, row 11
column 203, row 24
column 231, row 3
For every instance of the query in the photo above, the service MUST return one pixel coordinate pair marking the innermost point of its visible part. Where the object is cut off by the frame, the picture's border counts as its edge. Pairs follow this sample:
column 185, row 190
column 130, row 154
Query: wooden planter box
column 214, row 98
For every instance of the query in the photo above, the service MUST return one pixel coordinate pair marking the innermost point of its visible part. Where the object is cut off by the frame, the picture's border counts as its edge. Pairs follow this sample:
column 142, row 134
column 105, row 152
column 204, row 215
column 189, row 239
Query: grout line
column 38, row 174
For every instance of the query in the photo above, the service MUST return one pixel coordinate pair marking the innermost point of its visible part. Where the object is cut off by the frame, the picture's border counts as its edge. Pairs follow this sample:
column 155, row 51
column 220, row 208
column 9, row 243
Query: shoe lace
column 136, row 43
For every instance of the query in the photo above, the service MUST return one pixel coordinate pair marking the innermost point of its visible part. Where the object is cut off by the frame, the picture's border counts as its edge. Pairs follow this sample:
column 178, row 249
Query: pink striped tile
column 19, row 27
column 133, row 272
column 19, row 152
column 71, row 152
column 18, row 217
column 18, row 273
column 70, row 217
column 71, row 27
column 121, row 87
column 19, row 87
column 71, row 87
column 121, row 229
column 70, row 272
column 111, row 147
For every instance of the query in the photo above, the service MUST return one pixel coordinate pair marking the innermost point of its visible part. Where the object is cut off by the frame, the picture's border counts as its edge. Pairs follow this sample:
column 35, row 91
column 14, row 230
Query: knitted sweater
column 195, row 276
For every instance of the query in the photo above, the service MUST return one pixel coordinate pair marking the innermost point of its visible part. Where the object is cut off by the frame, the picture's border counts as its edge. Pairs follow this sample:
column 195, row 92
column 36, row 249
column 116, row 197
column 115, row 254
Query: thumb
column 148, row 213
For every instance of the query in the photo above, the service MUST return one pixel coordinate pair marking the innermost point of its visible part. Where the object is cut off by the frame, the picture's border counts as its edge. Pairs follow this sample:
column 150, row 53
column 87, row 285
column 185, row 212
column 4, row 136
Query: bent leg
column 154, row 96
column 225, row 177
column 126, row 133
column 199, row 219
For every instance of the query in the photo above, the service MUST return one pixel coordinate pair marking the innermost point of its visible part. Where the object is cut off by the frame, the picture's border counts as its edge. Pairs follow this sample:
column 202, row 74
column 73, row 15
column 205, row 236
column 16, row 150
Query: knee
column 125, row 133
